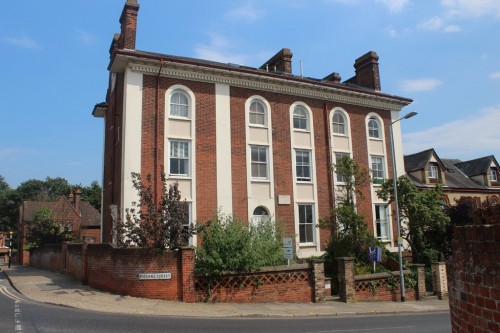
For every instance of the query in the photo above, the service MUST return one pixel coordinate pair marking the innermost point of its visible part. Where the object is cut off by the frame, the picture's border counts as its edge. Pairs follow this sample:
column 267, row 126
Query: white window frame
column 302, row 116
column 382, row 229
column 374, row 130
column 176, row 105
column 259, row 162
column 337, row 124
column 188, row 158
column 305, row 226
column 261, row 218
column 303, row 165
column 493, row 175
column 380, row 162
column 433, row 171
column 257, row 113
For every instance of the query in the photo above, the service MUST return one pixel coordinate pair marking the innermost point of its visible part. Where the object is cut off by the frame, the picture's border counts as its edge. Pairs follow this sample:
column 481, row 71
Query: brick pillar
column 421, row 290
column 186, row 272
column 317, row 267
column 347, row 291
column 85, row 277
column 439, row 279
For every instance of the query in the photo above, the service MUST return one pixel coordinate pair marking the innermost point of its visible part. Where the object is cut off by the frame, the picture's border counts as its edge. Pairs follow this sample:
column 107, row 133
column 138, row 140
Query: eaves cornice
column 263, row 82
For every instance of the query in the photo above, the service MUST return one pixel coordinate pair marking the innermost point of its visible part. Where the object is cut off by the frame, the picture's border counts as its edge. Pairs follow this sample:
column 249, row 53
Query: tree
column 92, row 194
column 351, row 234
column 426, row 222
column 9, row 206
column 229, row 244
column 160, row 225
column 43, row 190
column 44, row 230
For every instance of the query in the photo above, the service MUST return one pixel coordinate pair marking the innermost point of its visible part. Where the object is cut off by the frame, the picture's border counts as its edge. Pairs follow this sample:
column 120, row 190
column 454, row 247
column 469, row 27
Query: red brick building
column 72, row 214
column 256, row 143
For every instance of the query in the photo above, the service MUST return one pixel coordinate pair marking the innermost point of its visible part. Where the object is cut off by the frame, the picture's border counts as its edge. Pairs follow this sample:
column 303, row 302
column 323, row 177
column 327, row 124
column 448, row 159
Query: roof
column 62, row 208
column 479, row 166
column 418, row 161
column 90, row 216
column 455, row 178
column 257, row 72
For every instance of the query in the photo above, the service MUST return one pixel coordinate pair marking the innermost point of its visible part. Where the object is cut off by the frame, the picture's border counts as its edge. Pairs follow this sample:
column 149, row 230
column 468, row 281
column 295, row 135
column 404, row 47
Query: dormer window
column 493, row 175
column 433, row 171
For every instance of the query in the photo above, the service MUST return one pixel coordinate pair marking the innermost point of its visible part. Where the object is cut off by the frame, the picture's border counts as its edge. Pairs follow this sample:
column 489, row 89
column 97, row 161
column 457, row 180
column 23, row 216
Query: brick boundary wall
column 288, row 284
column 375, row 287
column 117, row 270
column 474, row 277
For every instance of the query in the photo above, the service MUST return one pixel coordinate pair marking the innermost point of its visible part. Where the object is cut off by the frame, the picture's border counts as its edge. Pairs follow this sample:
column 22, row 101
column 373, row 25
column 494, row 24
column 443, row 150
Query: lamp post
column 395, row 189
column 10, row 246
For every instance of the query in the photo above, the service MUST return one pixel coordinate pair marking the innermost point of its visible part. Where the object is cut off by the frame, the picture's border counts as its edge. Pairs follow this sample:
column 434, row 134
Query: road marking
column 18, row 328
column 4, row 291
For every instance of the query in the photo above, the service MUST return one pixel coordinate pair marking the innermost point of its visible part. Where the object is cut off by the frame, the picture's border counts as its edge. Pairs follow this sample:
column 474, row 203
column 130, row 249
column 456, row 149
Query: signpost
column 375, row 256
column 287, row 249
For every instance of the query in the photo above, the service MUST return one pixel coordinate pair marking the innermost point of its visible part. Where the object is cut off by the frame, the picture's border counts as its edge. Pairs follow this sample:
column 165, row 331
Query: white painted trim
column 223, row 149
column 333, row 135
column 253, row 202
column 262, row 82
column 192, row 144
column 131, row 136
column 398, row 144
column 293, row 148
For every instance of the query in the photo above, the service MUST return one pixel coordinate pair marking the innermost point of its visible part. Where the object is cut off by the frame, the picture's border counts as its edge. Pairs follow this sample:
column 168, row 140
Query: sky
column 443, row 54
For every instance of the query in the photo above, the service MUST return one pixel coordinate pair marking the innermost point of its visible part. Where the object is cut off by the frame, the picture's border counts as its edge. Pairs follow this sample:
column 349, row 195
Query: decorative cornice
column 267, row 83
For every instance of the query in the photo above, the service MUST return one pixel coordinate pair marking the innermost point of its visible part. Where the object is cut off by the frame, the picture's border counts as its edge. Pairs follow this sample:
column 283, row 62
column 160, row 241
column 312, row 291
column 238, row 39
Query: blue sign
column 375, row 254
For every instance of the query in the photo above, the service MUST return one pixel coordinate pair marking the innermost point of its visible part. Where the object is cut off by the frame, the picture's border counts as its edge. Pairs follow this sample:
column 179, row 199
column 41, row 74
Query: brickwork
column 117, row 270
column 474, row 277
column 374, row 287
column 293, row 283
column 49, row 257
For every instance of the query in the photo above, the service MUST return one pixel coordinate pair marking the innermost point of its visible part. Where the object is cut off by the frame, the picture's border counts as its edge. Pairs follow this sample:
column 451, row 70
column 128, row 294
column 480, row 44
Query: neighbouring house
column 478, row 179
column 254, row 142
column 73, row 214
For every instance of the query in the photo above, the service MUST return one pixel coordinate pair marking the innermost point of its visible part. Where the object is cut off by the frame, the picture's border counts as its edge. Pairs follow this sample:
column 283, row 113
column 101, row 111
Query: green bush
column 229, row 244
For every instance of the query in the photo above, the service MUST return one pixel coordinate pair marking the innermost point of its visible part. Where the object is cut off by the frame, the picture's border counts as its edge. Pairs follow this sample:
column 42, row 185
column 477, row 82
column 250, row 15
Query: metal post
column 396, row 205
column 10, row 246
column 400, row 241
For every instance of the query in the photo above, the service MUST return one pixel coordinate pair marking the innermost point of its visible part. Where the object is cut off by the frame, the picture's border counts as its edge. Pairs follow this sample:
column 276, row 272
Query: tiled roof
column 455, row 178
column 90, row 216
column 418, row 161
column 479, row 166
column 30, row 207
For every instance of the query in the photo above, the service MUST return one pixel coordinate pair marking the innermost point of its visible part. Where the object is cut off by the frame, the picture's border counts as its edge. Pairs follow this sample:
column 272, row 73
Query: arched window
column 339, row 123
column 373, row 128
column 257, row 113
column 260, row 215
column 300, row 120
column 179, row 104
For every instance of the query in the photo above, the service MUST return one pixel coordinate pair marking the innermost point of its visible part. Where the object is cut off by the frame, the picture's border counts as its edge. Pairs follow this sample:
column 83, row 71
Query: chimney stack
column 367, row 74
column 128, row 21
column 281, row 62
column 74, row 198
column 334, row 78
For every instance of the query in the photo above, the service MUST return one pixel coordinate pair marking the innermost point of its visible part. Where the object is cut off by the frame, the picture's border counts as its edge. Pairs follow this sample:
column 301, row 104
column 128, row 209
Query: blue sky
column 444, row 54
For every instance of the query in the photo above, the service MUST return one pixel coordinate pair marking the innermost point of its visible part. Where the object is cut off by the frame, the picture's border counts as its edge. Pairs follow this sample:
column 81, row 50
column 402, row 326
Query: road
column 21, row 315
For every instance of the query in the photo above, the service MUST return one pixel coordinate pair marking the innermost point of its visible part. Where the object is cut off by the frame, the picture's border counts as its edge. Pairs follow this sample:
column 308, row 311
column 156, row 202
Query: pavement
column 59, row 289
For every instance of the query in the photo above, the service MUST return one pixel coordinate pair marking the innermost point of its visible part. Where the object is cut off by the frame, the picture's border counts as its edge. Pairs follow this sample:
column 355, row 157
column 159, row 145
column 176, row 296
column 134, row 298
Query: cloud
column 394, row 6
column 495, row 75
column 436, row 23
column 24, row 42
column 425, row 84
column 472, row 8
column 218, row 50
column 12, row 153
column 246, row 13
column 470, row 137
column 84, row 37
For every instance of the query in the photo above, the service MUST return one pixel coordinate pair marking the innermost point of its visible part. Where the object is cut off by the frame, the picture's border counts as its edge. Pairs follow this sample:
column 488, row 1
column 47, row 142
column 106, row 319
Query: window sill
column 258, row 126
column 257, row 180
column 304, row 181
column 375, row 139
column 301, row 130
column 170, row 176
column 307, row 245
column 179, row 118
column 340, row 135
